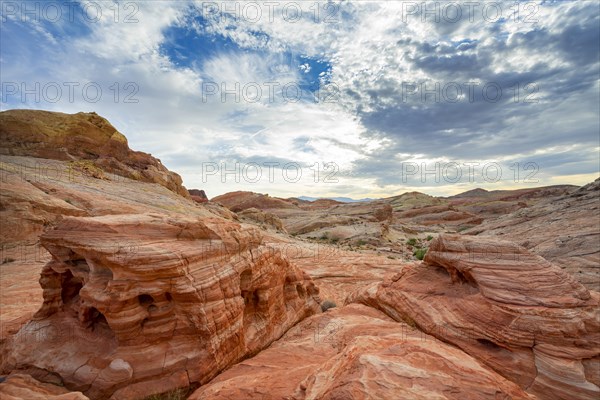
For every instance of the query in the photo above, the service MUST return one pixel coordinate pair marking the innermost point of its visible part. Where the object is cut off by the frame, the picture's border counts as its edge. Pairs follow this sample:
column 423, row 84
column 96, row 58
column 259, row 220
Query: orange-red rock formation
column 514, row 311
column 357, row 352
column 238, row 201
column 199, row 196
column 140, row 304
column 20, row 387
column 81, row 136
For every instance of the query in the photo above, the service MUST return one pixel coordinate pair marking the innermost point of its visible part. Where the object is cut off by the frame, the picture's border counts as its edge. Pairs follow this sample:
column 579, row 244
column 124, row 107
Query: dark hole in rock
column 78, row 264
column 255, row 298
column 251, row 300
column 246, row 280
column 168, row 296
column 488, row 343
column 145, row 300
column 70, row 288
column 95, row 319
column 300, row 290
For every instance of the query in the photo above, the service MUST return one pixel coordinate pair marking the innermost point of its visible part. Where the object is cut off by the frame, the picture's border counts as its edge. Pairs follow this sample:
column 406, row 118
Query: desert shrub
column 420, row 253
column 176, row 394
column 327, row 304
column 411, row 242
column 87, row 168
column 429, row 238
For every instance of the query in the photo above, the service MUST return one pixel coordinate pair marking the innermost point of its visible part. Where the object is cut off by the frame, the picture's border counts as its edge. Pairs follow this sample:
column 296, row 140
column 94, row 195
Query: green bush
column 327, row 304
column 420, row 253
column 429, row 238
column 411, row 242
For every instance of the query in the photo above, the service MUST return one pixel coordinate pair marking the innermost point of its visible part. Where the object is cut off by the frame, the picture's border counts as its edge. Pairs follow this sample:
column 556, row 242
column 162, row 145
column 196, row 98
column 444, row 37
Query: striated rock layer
column 77, row 137
column 516, row 312
column 141, row 304
column 357, row 352
column 20, row 386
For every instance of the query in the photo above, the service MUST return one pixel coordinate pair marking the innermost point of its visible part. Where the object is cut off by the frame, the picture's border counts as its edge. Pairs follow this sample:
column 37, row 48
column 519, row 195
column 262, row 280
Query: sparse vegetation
column 327, row 304
column 176, row 394
column 86, row 168
column 429, row 238
column 420, row 253
column 411, row 241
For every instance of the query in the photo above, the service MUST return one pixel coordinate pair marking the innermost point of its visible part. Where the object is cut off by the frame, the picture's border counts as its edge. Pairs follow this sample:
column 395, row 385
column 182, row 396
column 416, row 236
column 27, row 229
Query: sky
column 324, row 98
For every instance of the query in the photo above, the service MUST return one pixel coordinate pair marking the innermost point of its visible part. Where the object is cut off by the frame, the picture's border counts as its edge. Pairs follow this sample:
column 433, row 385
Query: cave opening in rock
column 94, row 319
column 70, row 287
column 246, row 286
column 145, row 300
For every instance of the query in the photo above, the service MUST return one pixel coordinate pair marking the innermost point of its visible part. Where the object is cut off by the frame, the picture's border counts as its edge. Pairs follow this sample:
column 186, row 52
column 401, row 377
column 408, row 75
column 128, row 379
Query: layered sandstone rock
column 141, row 304
column 36, row 194
column 20, row 386
column 81, row 136
column 264, row 219
column 514, row 311
column 199, row 196
column 238, row 201
column 357, row 352
column 563, row 228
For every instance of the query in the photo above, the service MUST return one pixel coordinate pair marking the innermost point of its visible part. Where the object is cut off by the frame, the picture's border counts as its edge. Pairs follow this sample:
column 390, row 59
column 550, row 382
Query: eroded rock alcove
column 141, row 304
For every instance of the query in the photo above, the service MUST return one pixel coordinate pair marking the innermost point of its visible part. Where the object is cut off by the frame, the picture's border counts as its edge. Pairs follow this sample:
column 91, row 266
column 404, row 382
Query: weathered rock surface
column 517, row 313
column 81, row 136
column 564, row 229
column 21, row 387
column 198, row 195
column 141, row 304
column 36, row 194
column 264, row 219
column 238, row 201
column 357, row 352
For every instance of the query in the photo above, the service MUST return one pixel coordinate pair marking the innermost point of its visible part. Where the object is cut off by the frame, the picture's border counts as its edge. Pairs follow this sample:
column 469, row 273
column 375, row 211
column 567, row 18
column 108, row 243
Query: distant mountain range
column 340, row 199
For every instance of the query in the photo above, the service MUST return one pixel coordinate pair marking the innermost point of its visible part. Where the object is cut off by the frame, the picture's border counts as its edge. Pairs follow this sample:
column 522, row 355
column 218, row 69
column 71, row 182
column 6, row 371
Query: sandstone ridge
column 81, row 136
